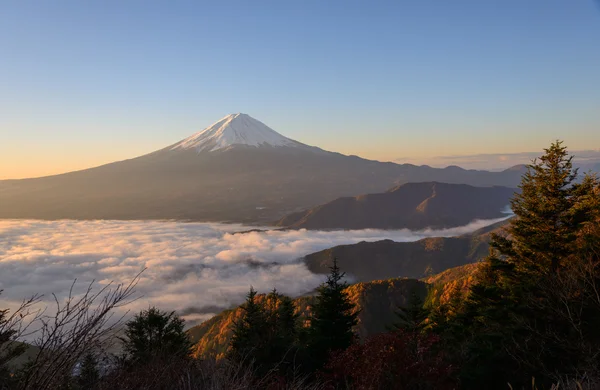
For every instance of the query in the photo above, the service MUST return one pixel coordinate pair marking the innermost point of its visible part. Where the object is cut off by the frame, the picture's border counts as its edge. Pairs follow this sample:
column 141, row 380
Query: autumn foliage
column 393, row 360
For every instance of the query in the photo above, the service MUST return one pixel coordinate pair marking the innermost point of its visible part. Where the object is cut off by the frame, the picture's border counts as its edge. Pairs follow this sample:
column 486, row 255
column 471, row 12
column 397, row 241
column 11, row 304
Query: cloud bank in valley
column 194, row 268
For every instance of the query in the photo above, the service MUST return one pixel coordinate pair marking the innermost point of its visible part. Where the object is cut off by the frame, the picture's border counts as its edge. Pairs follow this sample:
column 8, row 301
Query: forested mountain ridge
column 415, row 206
column 377, row 301
column 385, row 259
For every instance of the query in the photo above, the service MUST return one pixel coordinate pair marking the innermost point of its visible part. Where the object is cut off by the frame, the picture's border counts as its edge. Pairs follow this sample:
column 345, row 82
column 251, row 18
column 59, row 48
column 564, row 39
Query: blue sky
column 88, row 82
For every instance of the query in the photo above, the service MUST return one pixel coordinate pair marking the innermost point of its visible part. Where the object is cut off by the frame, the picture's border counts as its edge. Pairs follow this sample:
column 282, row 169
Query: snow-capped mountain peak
column 235, row 129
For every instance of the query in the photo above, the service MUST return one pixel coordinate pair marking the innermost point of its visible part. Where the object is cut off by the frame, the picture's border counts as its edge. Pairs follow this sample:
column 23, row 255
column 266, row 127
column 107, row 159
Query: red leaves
column 395, row 360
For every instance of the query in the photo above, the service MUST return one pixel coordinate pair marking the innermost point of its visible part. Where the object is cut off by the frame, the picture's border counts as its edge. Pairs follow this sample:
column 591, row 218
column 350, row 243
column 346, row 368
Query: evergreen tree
column 282, row 324
column 156, row 334
column 249, row 333
column 333, row 316
column 511, row 326
column 88, row 372
column 266, row 334
column 287, row 326
column 9, row 348
column 282, row 342
column 550, row 213
column 412, row 318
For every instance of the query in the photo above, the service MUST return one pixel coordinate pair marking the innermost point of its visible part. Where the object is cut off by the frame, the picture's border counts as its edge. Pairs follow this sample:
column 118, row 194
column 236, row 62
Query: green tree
column 287, row 324
column 549, row 214
column 281, row 344
column 282, row 324
column 9, row 347
column 88, row 372
column 412, row 318
column 249, row 333
column 523, row 317
column 156, row 334
column 266, row 334
column 333, row 316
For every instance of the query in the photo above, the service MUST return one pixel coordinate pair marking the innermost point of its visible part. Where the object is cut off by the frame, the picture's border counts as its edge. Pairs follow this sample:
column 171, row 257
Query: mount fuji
column 237, row 169
column 235, row 130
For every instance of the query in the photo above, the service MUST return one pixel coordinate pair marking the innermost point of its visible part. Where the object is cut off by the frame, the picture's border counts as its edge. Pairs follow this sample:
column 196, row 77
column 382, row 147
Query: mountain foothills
column 386, row 276
column 407, row 206
column 378, row 301
column 237, row 169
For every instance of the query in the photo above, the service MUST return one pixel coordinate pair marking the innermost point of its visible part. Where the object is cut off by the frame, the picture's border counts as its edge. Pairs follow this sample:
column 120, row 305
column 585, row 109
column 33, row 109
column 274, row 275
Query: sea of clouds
column 197, row 269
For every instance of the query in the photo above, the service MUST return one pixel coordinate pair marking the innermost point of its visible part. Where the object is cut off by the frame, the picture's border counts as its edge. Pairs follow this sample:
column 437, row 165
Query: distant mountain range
column 238, row 169
column 407, row 206
column 367, row 261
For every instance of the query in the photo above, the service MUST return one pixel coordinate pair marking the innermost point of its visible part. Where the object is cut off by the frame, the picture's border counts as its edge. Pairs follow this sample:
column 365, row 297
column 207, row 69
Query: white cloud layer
column 194, row 268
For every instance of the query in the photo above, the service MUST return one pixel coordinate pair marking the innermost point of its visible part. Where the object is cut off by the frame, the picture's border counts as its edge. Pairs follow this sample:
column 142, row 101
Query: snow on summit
column 235, row 129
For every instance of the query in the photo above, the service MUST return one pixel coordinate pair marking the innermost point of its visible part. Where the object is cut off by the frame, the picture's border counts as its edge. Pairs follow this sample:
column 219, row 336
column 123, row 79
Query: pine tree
column 249, row 332
column 332, row 318
column 511, row 326
column 282, row 323
column 412, row 317
column 287, row 326
column 544, row 232
column 156, row 334
column 282, row 343
column 266, row 334
column 9, row 348
column 88, row 372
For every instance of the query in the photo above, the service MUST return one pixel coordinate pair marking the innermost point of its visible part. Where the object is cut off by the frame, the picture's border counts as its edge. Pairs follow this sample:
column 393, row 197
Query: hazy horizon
column 490, row 162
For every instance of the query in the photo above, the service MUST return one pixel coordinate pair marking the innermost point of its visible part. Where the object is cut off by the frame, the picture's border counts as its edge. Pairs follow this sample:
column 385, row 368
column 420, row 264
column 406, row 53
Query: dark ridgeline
column 408, row 206
column 366, row 261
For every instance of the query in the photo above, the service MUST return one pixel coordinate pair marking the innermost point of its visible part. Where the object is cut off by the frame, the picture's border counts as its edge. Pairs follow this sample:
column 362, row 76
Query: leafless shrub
column 81, row 324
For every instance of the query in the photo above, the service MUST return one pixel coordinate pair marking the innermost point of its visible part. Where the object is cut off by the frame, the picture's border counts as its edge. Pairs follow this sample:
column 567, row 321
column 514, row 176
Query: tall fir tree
column 265, row 337
column 156, row 334
column 89, row 375
column 549, row 214
column 510, row 327
column 333, row 316
column 282, row 344
column 249, row 331
column 412, row 318
column 283, row 323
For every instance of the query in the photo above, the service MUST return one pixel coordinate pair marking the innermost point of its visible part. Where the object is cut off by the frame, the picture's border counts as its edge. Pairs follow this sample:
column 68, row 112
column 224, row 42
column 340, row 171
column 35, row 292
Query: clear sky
column 88, row 82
